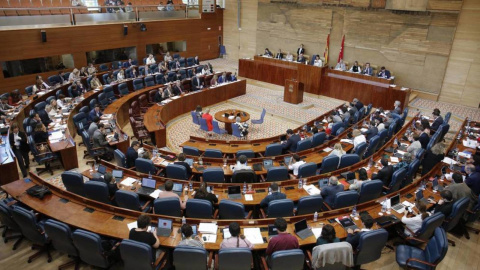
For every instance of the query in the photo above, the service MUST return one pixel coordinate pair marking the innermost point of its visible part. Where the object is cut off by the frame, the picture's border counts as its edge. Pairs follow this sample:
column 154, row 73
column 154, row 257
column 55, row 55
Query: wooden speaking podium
column 293, row 92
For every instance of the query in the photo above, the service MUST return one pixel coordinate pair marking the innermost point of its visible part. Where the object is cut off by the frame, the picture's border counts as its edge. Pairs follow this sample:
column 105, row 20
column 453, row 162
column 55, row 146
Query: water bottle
column 184, row 220
column 149, row 175
column 354, row 211
column 300, row 182
column 190, row 186
column 396, row 141
column 200, row 161
column 451, row 165
column 244, row 187
column 384, row 205
column 315, row 216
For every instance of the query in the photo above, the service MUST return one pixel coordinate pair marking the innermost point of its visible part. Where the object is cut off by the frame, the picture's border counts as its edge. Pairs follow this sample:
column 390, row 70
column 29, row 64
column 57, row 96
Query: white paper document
column 248, row 197
column 470, row 143
column 155, row 193
column 317, row 232
column 394, row 159
column 133, row 225
column 56, row 135
column 311, row 189
column 128, row 181
column 347, row 141
column 209, row 238
column 253, row 235
column 208, row 228
column 449, row 161
column 327, row 149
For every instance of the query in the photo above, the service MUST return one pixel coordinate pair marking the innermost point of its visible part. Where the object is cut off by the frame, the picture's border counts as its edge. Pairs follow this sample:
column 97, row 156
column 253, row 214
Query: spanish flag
column 325, row 53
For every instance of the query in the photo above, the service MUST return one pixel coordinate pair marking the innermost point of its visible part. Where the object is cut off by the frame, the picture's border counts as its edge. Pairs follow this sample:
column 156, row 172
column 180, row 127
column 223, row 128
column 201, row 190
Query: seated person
column 301, row 58
column 95, row 82
column 327, row 236
column 357, row 103
column 289, row 57
column 93, row 126
column 237, row 240
column 384, row 73
column 121, row 75
column 223, row 78
column 111, row 183
column 267, row 53
column 50, row 111
column 169, row 193
column 355, row 68
column 372, row 130
column 178, row 88
column 358, row 138
column 44, row 117
column 295, row 163
column 14, row 98
column 159, row 95
column 362, row 177
column 353, row 237
column 132, row 154
column 96, row 112
column 241, row 164
column 275, row 195
column 279, row 55
column 291, row 143
column 282, row 241
column 4, row 106
column 328, row 192
column 141, row 233
column 341, row 66
column 188, row 240
column 384, row 174
column 181, row 161
column 35, row 120
column 318, row 62
column 203, row 194
column 110, row 79
column 243, row 127
column 61, row 103
column 458, row 188
column 337, row 150
column 438, row 120
column 414, row 224
column 198, row 111
column 205, row 70
column 444, row 205
column 40, row 134
column 396, row 107
column 415, row 145
column 367, row 70
column 99, row 140
column 214, row 80
column 197, row 83
column 208, row 117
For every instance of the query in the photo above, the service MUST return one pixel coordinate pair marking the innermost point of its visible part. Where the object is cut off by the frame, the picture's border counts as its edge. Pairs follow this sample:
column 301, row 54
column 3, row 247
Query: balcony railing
column 18, row 18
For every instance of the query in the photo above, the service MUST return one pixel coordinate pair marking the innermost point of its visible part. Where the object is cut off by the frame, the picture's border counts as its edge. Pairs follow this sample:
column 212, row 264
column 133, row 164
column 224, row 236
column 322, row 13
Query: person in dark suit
column 44, row 117
column 301, row 58
column 384, row 73
column 353, row 237
column 202, row 194
column 196, row 61
column 99, row 140
column 385, row 174
column 279, row 55
column 367, row 70
column 291, row 144
column 357, row 103
column 473, row 180
column 178, row 88
column 371, row 131
column 18, row 142
column 275, row 195
column 159, row 95
column 423, row 138
column 35, row 120
column 328, row 192
column 95, row 112
column 197, row 83
column 437, row 122
column 300, row 50
column 40, row 134
column 181, row 162
column 132, row 154
column 268, row 53
column 444, row 205
column 223, row 78
column 397, row 108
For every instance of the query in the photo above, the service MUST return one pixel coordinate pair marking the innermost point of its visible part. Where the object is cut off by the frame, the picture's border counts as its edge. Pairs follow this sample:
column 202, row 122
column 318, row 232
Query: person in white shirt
column 74, row 76
column 205, row 70
column 358, row 138
column 121, row 75
column 379, row 124
column 241, row 164
column 161, row 7
column 289, row 57
column 355, row 68
column 167, row 57
column 294, row 166
column 77, row 3
column 341, row 66
column 60, row 100
column 150, row 61
column 337, row 150
column 51, row 112
column 318, row 62
column 413, row 224
column 415, row 146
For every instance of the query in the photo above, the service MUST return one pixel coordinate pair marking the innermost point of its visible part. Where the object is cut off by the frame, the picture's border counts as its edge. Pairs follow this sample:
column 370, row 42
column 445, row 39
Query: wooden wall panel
column 76, row 40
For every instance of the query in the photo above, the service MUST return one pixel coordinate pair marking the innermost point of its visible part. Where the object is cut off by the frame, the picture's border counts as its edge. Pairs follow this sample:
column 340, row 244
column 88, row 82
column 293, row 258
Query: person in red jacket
column 208, row 117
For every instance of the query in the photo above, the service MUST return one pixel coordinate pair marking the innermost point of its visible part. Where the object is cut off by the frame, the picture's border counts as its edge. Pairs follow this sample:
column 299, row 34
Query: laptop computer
column 323, row 182
column 117, row 174
column 302, row 230
column 234, row 192
column 267, row 164
column 148, row 186
column 419, row 197
column 347, row 223
column 283, row 138
column 164, row 227
column 396, row 205
column 272, row 231
column 435, row 184
column 257, row 167
column 100, row 171
column 287, row 160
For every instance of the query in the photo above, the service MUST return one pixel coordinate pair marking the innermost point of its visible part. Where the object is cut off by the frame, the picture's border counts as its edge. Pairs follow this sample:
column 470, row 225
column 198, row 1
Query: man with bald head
column 328, row 192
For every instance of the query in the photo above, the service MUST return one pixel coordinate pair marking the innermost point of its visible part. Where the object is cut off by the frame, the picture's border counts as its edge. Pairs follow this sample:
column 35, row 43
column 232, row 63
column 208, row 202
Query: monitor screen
column 148, row 182
column 301, row 225
column 177, row 187
column 117, row 173
column 234, row 190
column 164, row 223
column 102, row 169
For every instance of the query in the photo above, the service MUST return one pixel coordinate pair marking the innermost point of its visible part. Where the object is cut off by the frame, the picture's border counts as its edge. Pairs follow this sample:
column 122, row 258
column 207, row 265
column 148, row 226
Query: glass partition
column 110, row 55
column 163, row 47
column 36, row 65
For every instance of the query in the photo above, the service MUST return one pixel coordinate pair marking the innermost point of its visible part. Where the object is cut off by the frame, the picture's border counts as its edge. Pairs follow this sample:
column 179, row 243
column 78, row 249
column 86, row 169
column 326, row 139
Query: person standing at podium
column 300, row 50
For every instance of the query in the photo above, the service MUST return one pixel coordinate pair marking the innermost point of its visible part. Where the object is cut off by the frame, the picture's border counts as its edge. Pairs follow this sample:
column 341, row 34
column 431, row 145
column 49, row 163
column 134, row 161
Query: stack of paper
column 248, row 197
column 209, row 238
column 465, row 154
column 226, row 233
column 155, row 193
column 327, row 149
column 347, row 141
column 133, row 225
column 311, row 189
column 394, row 159
column 209, row 228
column 128, row 181
column 317, row 232
column 56, row 135
column 449, row 161
column 253, row 235
column 470, row 144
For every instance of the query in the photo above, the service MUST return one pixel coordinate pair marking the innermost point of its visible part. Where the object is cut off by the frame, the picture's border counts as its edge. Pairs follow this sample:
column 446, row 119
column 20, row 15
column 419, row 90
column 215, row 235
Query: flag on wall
column 340, row 54
column 325, row 53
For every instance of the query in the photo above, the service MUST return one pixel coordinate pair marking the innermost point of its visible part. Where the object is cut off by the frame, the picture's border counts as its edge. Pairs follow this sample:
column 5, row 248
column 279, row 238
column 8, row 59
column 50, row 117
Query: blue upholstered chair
column 309, row 205
column 329, row 164
column 191, row 151
column 213, row 153
column 234, row 259
column 279, row 208
column 131, row 200
column 198, row 208
column 97, row 191
column 232, row 210
column 188, row 258
column 397, row 180
column 370, row 190
column 307, row 169
column 370, row 246
column 318, row 139
column 246, row 153
column 277, row 174
column 138, row 255
column 213, row 175
column 304, row 145
column 176, row 171
column 120, row 158
column 91, row 250
column 146, row 166
column 169, row 206
column 348, row 160
column 73, row 182
column 286, row 260
column 345, row 199
column 60, row 235
column 274, row 149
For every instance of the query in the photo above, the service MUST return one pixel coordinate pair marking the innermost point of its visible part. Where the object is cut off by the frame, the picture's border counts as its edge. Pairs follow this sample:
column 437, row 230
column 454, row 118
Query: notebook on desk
column 302, row 229
column 234, row 193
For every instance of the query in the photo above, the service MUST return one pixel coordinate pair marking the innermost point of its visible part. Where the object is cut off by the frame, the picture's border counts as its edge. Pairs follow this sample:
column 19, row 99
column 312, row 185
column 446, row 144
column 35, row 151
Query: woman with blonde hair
column 337, row 150
column 358, row 138
column 214, row 80
column 432, row 157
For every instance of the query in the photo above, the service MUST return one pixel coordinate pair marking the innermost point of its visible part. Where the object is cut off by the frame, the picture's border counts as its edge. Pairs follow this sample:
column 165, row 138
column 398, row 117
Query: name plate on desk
column 290, row 88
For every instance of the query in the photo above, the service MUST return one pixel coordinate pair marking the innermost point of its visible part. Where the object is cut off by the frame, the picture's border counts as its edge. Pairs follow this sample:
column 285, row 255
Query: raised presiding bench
column 157, row 116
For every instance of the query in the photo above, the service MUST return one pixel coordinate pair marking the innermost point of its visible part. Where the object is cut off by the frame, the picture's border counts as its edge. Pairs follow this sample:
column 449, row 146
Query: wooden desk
column 219, row 116
column 323, row 81
column 8, row 162
column 157, row 117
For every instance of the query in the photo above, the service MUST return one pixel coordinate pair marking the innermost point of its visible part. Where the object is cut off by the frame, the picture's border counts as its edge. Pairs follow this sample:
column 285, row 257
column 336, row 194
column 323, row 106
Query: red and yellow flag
column 325, row 53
